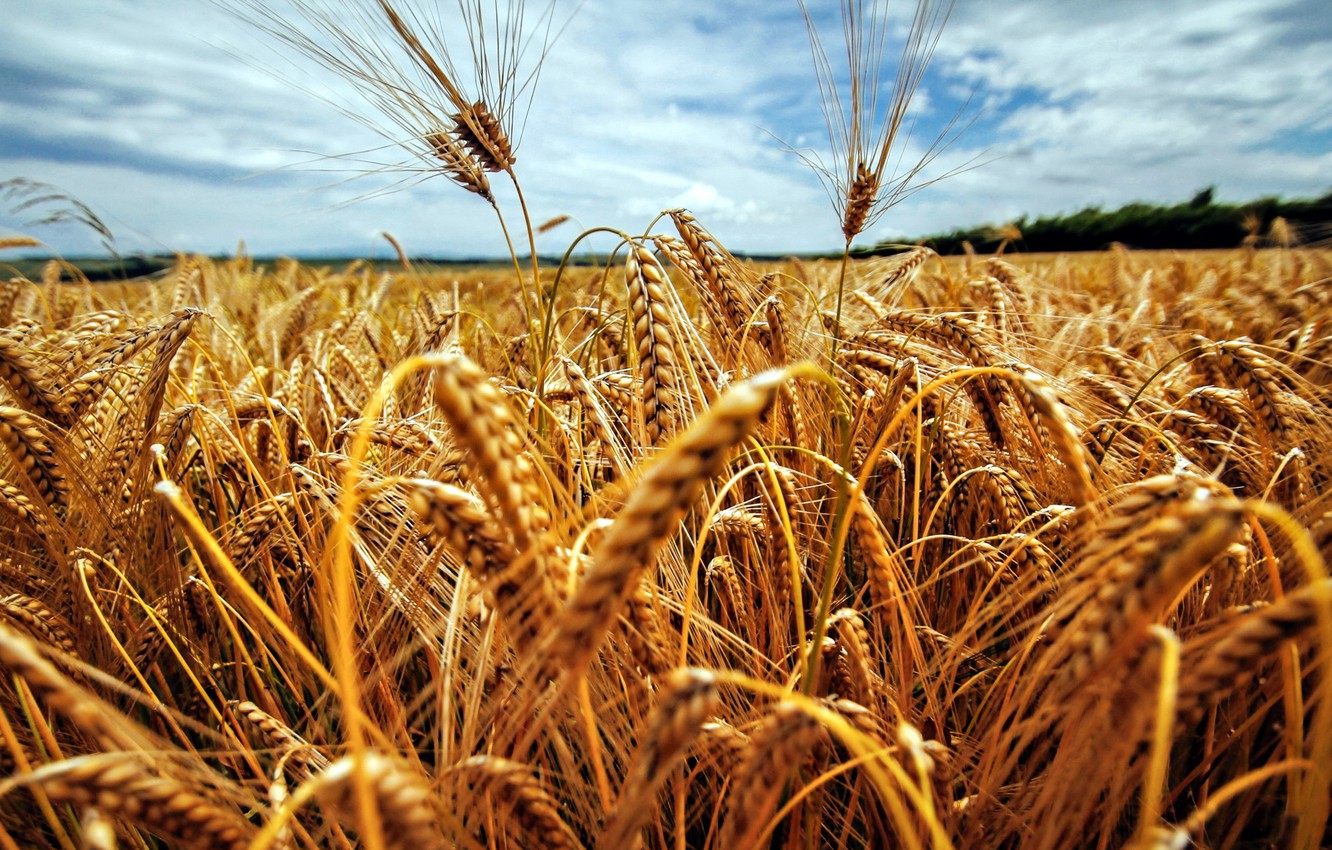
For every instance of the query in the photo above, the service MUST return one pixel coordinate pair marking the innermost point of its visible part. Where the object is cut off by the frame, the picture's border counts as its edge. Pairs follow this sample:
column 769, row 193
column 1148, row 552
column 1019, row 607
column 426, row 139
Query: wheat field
column 1022, row 552
column 668, row 549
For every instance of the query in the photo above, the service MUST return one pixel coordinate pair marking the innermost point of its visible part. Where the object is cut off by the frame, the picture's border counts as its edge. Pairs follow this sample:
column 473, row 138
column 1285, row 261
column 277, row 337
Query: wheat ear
column 1214, row 668
column 483, row 422
column 1143, row 577
column 645, row 523
column 460, row 520
column 777, row 748
column 690, row 698
column 34, row 454
column 289, row 744
column 657, row 349
column 521, row 798
column 22, row 374
column 39, row 620
column 406, row 804
column 122, row 786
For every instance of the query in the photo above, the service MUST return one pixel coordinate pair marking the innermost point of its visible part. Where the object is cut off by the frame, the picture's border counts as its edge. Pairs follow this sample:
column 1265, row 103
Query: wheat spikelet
column 34, row 455
column 1066, row 442
column 785, row 737
column 297, row 322
column 964, row 336
column 402, row 434
column 620, row 389
column 1213, row 667
column 27, row 511
column 657, row 352
column 173, row 432
column 99, row 366
column 1255, row 374
column 279, row 735
column 644, row 632
column 689, row 699
column 123, row 786
column 603, row 429
column 737, row 520
column 680, row 256
column 849, row 629
column 10, row 290
column 481, row 418
column 522, row 799
column 479, row 131
column 861, row 191
column 483, row 422
column 39, row 620
column 1143, row 575
column 406, row 804
column 775, row 313
column 642, row 527
column 22, row 374
column 459, row 164
column 189, row 275
column 721, row 571
column 721, row 275
column 460, row 520
column 883, row 569
column 260, row 522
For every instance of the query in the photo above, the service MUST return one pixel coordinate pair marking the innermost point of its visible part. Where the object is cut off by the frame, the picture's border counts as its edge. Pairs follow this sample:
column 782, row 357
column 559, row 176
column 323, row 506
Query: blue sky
column 146, row 111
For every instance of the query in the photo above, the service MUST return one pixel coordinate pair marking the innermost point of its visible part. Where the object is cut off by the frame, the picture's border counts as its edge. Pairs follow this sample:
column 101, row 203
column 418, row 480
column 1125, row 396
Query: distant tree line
column 1199, row 223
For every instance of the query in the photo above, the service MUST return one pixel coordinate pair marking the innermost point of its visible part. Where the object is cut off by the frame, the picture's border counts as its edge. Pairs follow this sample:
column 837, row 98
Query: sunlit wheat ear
column 21, row 372
column 38, row 620
column 860, row 196
column 297, row 751
column 963, row 335
column 99, row 367
column 849, row 629
column 601, row 422
column 34, row 454
column 866, row 130
column 730, row 300
column 483, row 422
column 720, row 574
column 16, row 501
column 520, row 800
column 1043, row 402
column 1256, row 375
column 653, row 511
column 654, row 331
column 461, row 521
column 480, row 132
column 124, row 786
column 1140, row 580
column 407, row 812
column 776, row 750
column 456, row 517
column 690, row 698
column 459, row 164
column 1212, row 669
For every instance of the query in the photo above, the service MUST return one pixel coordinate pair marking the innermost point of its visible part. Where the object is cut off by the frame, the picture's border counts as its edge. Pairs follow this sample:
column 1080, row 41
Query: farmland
column 1020, row 551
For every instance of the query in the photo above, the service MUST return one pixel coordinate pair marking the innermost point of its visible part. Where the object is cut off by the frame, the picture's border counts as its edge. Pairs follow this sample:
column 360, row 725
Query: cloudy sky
column 166, row 118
